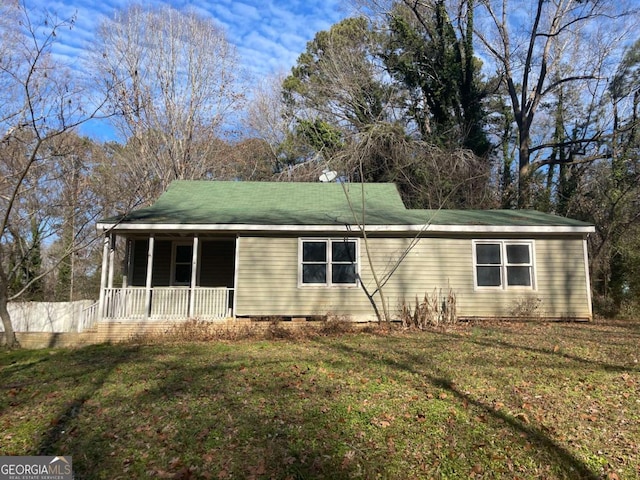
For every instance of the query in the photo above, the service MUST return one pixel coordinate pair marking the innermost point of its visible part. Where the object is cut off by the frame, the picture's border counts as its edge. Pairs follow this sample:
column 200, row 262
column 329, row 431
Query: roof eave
column 430, row 228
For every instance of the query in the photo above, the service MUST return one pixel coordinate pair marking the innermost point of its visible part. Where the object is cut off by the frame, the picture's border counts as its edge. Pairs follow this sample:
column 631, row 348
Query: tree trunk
column 10, row 339
column 524, row 169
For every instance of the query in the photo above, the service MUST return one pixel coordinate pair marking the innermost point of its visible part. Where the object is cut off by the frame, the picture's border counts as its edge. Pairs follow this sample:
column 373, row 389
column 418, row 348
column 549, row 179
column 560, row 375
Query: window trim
column 504, row 265
column 328, row 241
column 174, row 256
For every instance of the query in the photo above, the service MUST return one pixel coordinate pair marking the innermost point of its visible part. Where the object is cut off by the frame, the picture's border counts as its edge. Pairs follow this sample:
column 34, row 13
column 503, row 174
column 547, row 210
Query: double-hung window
column 328, row 262
column 504, row 264
column 182, row 258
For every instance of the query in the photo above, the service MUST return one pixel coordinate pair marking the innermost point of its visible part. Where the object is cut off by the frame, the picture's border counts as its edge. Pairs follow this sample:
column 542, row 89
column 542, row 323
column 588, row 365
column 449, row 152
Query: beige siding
column 430, row 264
column 268, row 279
column 561, row 277
column 437, row 263
column 267, row 273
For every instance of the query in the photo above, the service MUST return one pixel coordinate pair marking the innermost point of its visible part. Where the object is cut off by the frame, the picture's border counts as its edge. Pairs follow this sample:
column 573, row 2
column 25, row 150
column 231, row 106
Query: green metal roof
column 512, row 218
column 293, row 203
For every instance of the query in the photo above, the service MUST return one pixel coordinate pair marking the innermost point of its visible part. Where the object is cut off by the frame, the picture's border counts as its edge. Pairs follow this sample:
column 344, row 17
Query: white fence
column 167, row 303
column 56, row 317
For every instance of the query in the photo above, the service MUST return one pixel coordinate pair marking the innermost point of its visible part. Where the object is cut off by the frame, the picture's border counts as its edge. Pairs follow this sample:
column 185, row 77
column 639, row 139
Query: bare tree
column 552, row 45
column 339, row 79
column 77, row 201
column 337, row 90
column 409, row 162
column 173, row 79
column 41, row 103
column 609, row 195
column 268, row 119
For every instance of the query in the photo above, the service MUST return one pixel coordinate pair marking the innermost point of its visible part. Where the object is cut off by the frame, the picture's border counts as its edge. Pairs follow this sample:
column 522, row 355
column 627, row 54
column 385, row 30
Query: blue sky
column 269, row 34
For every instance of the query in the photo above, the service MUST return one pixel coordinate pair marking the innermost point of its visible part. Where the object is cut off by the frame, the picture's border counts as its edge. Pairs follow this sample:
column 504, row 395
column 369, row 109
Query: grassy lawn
column 516, row 401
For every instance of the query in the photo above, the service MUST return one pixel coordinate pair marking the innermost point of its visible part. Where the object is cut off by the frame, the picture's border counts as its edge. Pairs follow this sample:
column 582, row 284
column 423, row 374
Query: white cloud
column 247, row 12
column 269, row 34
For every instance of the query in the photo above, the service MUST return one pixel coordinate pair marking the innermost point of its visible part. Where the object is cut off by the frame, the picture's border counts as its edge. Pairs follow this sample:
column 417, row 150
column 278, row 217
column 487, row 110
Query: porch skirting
column 136, row 330
column 109, row 332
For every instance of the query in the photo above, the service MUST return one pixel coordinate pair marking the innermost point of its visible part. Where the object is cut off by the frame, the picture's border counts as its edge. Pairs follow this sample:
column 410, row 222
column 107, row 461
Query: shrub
column 527, row 307
column 196, row 330
column 335, row 325
column 435, row 309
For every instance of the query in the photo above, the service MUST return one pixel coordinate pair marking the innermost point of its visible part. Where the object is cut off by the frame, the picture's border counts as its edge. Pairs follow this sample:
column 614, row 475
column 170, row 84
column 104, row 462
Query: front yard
column 517, row 401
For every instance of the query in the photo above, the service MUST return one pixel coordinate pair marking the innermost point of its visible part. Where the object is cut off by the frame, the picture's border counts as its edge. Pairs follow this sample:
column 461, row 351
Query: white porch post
column 585, row 250
column 126, row 267
column 112, row 257
column 236, row 262
column 194, row 276
column 103, row 275
column 149, row 274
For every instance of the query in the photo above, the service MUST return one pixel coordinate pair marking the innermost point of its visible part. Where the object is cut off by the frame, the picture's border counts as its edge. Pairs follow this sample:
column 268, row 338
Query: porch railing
column 120, row 303
column 88, row 317
column 167, row 303
column 170, row 302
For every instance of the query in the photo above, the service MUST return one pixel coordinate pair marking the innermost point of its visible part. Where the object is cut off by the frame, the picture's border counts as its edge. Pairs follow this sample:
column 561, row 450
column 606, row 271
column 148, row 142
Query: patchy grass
column 518, row 401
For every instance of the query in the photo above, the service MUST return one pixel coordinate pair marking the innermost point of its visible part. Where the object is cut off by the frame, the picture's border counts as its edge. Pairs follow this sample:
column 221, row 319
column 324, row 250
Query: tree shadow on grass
column 175, row 414
column 13, row 368
column 630, row 325
column 494, row 342
column 192, row 420
column 97, row 362
column 568, row 463
column 536, row 436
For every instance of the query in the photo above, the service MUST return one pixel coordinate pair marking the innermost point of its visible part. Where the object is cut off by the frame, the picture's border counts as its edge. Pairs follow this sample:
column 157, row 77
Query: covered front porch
column 167, row 277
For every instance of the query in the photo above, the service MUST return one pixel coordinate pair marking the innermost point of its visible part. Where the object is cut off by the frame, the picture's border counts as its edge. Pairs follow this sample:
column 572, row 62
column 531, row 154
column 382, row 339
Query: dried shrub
column 527, row 307
column 276, row 330
column 196, row 330
column 436, row 309
column 267, row 328
column 326, row 326
column 335, row 325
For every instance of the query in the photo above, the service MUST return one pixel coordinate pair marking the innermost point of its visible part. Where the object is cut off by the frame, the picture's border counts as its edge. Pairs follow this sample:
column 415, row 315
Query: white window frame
column 174, row 257
column 329, row 262
column 504, row 265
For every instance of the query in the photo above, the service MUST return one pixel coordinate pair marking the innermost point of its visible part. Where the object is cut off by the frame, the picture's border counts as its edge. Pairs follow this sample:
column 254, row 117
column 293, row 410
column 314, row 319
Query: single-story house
column 214, row 250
